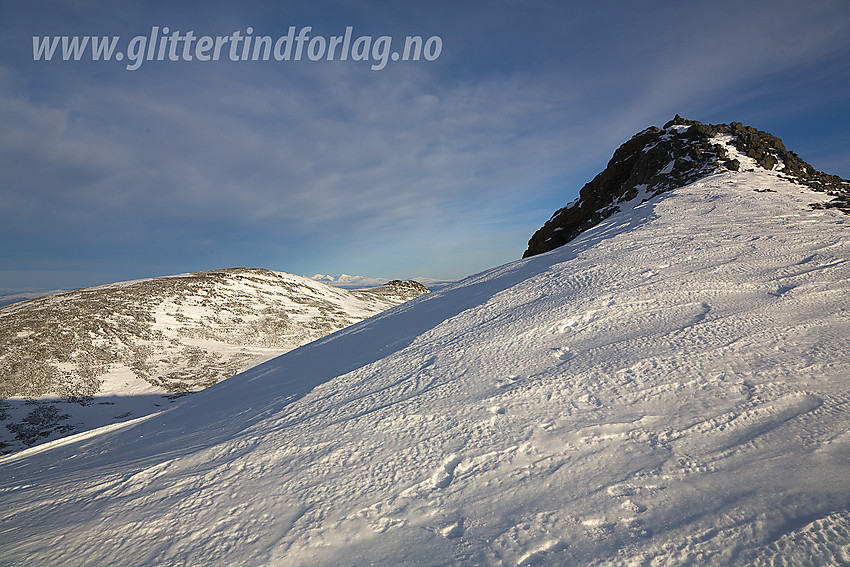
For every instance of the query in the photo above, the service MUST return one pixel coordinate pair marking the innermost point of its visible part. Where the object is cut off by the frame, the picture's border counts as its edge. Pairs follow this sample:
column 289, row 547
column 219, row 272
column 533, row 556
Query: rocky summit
column 660, row 159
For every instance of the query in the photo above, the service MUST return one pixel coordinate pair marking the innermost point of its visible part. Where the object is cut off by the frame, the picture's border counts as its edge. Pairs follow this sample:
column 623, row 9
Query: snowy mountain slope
column 93, row 347
column 669, row 388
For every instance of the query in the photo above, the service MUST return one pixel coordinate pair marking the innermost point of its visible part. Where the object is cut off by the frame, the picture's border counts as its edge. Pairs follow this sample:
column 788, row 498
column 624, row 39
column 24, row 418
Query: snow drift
column 668, row 388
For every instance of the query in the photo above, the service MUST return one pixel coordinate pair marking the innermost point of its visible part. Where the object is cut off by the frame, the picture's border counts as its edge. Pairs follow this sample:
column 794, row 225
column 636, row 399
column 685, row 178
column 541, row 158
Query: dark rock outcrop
column 402, row 290
column 659, row 159
column 409, row 284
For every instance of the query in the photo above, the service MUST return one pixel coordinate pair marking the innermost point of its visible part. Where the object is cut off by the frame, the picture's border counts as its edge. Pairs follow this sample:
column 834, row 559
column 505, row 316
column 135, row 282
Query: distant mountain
column 344, row 279
column 17, row 296
column 657, row 160
column 167, row 335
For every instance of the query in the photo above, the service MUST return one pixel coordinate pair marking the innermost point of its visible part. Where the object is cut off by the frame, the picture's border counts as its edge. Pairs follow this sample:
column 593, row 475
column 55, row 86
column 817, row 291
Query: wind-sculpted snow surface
column 670, row 388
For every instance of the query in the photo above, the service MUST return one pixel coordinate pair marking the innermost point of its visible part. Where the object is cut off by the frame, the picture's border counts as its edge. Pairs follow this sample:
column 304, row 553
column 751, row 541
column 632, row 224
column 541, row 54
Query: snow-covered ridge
column 166, row 335
column 660, row 159
column 669, row 388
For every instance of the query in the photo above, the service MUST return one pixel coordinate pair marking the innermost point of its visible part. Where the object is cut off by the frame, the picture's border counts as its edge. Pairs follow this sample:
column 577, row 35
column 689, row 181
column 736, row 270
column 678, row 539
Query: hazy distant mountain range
column 9, row 297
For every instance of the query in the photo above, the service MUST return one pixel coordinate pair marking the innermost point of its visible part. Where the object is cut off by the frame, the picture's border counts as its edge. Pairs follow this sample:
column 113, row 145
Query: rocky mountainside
column 660, row 159
column 166, row 335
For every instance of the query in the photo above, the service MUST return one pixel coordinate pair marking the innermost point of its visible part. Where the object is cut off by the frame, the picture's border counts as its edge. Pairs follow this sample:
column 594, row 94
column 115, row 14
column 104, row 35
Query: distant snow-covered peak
column 347, row 281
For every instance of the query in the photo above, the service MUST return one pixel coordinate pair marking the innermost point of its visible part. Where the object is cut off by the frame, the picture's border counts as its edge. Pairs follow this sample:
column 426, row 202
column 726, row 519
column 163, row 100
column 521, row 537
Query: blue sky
column 425, row 168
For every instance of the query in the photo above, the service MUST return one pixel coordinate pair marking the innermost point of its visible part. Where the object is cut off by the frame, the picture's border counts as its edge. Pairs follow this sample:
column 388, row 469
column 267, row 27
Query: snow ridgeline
column 669, row 388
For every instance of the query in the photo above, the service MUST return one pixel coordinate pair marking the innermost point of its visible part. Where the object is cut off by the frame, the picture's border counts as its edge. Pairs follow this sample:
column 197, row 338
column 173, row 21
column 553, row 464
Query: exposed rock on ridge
column 659, row 159
column 395, row 288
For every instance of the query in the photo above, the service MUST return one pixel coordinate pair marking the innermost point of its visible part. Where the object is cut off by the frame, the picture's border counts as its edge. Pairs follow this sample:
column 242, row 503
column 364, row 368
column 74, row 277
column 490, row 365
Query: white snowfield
column 671, row 388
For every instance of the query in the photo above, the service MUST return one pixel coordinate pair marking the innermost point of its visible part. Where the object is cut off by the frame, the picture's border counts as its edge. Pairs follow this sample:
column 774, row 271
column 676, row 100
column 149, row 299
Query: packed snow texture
column 669, row 388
